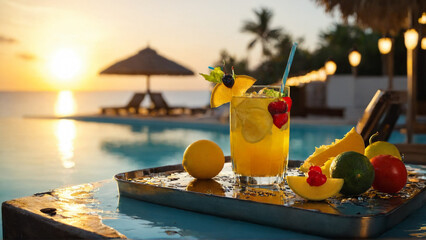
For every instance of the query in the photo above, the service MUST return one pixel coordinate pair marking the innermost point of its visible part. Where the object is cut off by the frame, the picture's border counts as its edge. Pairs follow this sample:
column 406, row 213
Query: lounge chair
column 200, row 110
column 131, row 107
column 160, row 106
column 381, row 115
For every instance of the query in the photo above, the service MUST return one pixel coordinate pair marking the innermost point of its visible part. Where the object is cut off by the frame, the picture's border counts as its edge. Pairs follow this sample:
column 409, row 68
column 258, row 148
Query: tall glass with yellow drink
column 260, row 128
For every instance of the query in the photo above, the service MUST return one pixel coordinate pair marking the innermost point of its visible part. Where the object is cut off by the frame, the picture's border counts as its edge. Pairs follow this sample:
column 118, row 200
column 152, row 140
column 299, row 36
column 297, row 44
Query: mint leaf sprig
column 215, row 75
column 272, row 93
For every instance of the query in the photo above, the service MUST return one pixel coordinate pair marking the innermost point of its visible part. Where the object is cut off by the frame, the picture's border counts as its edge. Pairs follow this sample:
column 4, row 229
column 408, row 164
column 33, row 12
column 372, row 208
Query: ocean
column 21, row 104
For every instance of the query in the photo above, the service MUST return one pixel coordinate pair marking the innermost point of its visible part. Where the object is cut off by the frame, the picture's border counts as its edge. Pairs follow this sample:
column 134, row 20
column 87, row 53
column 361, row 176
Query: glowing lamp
column 330, row 67
column 385, row 45
column 354, row 58
column 411, row 37
column 423, row 43
column 322, row 74
column 422, row 19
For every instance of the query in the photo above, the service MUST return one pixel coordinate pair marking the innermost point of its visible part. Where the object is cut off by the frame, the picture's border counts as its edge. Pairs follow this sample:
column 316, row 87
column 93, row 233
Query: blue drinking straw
column 287, row 68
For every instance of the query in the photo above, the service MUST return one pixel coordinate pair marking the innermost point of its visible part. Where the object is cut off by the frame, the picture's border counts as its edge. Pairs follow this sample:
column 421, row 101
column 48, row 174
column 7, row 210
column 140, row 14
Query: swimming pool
column 40, row 154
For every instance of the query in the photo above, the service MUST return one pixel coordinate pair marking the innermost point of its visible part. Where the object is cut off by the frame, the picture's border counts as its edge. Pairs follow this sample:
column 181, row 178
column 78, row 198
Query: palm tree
column 262, row 30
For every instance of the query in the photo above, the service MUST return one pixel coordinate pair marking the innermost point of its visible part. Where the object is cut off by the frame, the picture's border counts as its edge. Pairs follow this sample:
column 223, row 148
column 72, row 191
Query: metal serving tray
column 367, row 215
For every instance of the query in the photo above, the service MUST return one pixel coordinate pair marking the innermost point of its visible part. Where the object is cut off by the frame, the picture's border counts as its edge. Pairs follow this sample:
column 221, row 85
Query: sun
column 65, row 64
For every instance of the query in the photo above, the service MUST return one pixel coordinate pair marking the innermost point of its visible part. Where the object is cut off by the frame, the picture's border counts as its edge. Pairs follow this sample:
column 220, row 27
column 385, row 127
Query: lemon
column 351, row 142
column 381, row 148
column 221, row 94
column 243, row 105
column 256, row 120
column 203, row 159
column 256, row 125
column 301, row 187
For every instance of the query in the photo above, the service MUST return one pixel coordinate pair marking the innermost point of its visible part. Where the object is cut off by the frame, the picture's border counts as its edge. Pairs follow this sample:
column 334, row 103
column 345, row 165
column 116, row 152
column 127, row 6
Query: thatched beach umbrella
column 147, row 62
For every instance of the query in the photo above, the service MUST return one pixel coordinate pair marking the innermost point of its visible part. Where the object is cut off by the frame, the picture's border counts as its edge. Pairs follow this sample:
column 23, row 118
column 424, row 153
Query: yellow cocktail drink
column 259, row 137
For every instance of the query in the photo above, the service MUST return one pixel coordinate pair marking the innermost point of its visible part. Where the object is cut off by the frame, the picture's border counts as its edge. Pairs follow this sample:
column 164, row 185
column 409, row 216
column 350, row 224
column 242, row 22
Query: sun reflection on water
column 65, row 103
column 65, row 133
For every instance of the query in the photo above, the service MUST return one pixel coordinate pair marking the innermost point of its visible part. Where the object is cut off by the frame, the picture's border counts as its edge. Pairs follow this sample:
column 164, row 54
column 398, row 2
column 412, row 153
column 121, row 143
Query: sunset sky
column 63, row 45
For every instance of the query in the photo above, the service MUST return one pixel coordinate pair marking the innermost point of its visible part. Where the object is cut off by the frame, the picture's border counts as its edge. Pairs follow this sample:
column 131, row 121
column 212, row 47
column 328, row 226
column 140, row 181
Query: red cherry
column 280, row 119
column 289, row 102
column 277, row 107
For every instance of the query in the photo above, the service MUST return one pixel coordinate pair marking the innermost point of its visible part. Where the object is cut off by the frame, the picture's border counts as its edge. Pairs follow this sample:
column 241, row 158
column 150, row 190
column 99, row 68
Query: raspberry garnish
column 289, row 102
column 315, row 168
column 277, row 107
column 280, row 119
column 315, row 176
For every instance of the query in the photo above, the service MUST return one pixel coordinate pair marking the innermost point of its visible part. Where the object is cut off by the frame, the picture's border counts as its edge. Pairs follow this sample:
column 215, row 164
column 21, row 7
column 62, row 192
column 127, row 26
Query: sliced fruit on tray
column 301, row 187
column 351, row 142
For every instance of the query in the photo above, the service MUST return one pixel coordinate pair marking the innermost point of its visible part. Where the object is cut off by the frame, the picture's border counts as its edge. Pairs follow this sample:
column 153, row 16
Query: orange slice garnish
column 222, row 94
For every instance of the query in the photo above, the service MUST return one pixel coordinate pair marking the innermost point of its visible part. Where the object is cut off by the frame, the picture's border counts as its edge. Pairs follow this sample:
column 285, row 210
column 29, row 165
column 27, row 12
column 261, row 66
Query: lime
column 203, row 159
column 355, row 169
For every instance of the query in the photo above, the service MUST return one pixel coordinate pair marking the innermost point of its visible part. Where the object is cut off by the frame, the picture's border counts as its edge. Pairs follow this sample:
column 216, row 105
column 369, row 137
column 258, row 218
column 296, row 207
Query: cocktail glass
column 259, row 149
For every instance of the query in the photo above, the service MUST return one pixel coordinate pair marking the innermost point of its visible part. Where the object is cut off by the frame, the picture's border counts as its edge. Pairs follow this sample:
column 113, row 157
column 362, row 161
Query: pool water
column 37, row 155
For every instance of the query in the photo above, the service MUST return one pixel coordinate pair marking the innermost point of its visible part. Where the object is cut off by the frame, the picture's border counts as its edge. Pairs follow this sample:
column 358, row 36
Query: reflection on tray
column 209, row 186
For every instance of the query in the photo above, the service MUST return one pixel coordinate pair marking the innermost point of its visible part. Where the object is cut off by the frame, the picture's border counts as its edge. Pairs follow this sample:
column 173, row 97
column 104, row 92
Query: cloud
column 4, row 39
column 26, row 56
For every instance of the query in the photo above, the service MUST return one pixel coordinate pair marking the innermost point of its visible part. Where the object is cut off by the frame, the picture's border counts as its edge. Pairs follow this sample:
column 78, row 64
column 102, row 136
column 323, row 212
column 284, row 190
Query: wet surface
column 368, row 204
column 71, row 212
column 99, row 208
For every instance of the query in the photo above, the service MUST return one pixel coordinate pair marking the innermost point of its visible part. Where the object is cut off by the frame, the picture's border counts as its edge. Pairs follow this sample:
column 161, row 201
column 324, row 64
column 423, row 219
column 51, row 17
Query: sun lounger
column 199, row 110
column 413, row 153
column 160, row 106
column 131, row 107
column 381, row 115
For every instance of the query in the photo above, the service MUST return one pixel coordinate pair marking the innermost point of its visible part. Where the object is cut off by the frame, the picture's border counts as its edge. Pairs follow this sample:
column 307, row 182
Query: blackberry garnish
column 228, row 80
